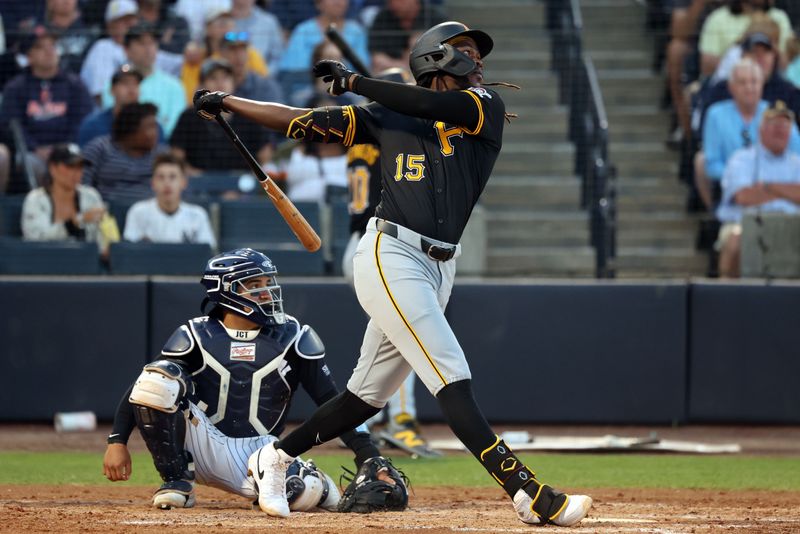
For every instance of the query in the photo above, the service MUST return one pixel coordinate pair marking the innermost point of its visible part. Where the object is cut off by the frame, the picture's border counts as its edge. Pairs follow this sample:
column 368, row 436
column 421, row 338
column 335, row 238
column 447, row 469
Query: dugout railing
column 588, row 129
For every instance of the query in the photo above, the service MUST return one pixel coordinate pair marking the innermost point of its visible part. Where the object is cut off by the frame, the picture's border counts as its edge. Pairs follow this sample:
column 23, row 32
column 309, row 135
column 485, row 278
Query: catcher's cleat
column 540, row 504
column 174, row 494
column 268, row 467
column 403, row 433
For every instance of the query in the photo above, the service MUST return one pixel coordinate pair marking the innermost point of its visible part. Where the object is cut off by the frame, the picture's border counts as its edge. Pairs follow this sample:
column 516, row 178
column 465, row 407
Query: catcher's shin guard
column 512, row 475
column 165, row 434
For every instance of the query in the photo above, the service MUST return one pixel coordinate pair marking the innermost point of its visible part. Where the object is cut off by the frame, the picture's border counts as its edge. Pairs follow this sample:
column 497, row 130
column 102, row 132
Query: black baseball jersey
column 244, row 380
column 432, row 173
column 364, row 181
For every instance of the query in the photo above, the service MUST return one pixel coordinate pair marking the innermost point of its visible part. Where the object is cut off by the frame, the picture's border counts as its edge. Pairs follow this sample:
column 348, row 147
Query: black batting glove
column 207, row 104
column 335, row 72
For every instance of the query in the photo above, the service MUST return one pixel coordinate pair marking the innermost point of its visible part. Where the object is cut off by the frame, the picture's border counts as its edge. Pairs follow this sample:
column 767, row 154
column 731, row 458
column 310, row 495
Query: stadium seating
column 48, row 257
column 158, row 258
column 11, row 215
column 256, row 223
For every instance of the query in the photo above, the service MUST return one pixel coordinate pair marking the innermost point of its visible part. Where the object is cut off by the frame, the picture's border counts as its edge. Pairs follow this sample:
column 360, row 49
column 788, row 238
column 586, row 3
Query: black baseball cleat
column 403, row 433
column 174, row 494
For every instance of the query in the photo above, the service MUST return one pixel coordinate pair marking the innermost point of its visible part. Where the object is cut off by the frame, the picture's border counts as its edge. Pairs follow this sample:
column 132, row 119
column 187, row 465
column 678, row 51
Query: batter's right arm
column 270, row 114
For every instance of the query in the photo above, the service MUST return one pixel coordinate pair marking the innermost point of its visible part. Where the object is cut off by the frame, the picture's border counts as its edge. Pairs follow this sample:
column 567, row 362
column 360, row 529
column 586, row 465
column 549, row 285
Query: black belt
column 434, row 252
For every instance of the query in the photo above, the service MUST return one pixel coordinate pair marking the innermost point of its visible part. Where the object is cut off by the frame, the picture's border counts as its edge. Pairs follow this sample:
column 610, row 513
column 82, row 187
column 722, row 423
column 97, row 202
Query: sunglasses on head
column 235, row 37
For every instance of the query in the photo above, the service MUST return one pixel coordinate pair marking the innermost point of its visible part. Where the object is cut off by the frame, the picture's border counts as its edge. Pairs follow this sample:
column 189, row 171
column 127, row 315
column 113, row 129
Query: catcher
column 439, row 141
column 220, row 391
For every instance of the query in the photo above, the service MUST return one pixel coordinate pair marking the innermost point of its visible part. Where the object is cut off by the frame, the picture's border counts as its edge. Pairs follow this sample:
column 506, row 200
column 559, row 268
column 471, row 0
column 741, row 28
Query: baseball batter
column 221, row 390
column 364, row 187
column 439, row 141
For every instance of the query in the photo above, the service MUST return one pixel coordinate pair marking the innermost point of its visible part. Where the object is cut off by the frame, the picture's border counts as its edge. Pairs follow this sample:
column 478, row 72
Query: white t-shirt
column 189, row 224
column 308, row 176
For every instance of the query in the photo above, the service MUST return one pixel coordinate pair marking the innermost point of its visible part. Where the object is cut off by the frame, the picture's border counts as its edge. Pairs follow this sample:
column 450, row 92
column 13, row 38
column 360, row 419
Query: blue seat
column 159, row 258
column 119, row 210
column 48, row 257
column 257, row 224
column 213, row 184
column 11, row 215
column 296, row 261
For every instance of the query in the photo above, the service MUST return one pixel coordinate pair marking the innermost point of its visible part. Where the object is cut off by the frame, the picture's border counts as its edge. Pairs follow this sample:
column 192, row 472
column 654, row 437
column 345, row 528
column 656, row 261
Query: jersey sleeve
column 491, row 114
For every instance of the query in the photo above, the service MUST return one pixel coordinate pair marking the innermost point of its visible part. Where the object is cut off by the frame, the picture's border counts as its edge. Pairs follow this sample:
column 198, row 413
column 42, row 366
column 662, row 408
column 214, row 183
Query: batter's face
column 468, row 46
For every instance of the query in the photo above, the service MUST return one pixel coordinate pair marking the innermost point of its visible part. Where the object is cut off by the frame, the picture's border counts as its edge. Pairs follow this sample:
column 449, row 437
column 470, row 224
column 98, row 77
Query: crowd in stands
column 97, row 133
column 733, row 85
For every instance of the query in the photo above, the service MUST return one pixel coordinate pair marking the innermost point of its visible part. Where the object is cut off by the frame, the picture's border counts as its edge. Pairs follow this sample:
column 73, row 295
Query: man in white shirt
column 166, row 218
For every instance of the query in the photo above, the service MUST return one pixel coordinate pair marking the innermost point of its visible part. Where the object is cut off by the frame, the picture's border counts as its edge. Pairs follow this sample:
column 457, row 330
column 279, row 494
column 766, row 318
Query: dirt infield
column 433, row 510
column 73, row 508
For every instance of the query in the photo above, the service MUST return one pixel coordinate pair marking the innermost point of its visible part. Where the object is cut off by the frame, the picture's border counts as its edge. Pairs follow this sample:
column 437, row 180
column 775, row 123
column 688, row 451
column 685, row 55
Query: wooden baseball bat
column 337, row 39
column 299, row 225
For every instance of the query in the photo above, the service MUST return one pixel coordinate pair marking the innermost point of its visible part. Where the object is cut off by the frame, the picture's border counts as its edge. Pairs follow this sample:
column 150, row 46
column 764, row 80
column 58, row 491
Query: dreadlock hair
column 129, row 118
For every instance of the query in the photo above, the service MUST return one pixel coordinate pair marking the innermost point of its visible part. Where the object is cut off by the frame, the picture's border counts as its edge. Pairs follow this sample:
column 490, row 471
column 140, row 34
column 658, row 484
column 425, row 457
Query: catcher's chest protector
column 236, row 371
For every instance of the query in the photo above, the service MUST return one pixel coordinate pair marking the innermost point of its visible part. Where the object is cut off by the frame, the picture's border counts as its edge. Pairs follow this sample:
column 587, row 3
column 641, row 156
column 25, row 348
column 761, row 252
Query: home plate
column 608, row 442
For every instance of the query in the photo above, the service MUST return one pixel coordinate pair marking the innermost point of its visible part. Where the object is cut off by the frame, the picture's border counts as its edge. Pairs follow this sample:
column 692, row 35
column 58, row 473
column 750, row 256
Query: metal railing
column 588, row 129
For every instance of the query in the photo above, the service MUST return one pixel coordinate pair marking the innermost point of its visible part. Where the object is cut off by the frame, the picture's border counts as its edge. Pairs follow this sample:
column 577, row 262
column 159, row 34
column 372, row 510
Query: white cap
column 120, row 8
column 217, row 8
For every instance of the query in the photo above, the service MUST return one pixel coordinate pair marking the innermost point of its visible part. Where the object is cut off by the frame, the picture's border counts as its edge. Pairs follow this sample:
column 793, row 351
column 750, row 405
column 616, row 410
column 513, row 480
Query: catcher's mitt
column 367, row 493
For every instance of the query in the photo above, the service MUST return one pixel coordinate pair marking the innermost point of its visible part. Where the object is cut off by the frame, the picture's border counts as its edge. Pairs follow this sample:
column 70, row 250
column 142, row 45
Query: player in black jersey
column 221, row 390
column 439, row 141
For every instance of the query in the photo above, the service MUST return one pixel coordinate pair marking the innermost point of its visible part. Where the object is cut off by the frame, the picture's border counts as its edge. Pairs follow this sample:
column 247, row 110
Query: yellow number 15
column 415, row 163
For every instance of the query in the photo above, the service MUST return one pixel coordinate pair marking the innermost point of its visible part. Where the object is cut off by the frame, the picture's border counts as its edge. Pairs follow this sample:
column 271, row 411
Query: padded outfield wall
column 551, row 352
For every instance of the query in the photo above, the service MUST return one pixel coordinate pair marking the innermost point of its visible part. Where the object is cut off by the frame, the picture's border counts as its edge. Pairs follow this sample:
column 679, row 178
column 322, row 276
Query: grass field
column 568, row 471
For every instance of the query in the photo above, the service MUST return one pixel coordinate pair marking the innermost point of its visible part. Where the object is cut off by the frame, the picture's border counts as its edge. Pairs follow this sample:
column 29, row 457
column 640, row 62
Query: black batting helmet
column 431, row 53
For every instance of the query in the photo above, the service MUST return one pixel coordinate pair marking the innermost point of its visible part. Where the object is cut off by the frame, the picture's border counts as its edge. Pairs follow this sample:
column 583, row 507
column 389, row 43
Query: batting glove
column 336, row 72
column 207, row 104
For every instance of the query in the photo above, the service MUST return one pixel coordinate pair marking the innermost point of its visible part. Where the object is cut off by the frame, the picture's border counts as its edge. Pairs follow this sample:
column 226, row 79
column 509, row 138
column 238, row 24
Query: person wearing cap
column 731, row 125
column 48, row 102
column 63, row 208
column 107, row 54
column 235, row 50
column 219, row 26
column 759, row 45
column 157, row 87
column 204, row 145
column 726, row 24
column 763, row 177
column 124, row 90
column 265, row 32
column 296, row 61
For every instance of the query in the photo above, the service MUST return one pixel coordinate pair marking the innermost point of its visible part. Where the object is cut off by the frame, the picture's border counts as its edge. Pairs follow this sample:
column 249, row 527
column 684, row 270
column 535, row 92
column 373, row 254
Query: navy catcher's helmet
column 431, row 53
column 244, row 282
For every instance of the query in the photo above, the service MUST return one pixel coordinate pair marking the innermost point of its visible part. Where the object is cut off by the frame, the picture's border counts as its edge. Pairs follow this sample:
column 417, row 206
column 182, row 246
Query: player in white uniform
column 221, row 390
column 166, row 218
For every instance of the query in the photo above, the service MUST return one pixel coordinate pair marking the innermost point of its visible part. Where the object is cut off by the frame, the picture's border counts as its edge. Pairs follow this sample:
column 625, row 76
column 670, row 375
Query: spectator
column 122, row 163
column 759, row 40
column 324, row 50
column 317, row 172
column 263, row 28
column 248, row 84
column 48, row 102
column 166, row 218
column 687, row 18
column 124, row 90
column 73, row 37
column 172, row 29
column 393, row 27
column 763, row 177
column 219, row 23
column 204, row 145
column 760, row 48
column 195, row 12
column 731, row 125
column 296, row 61
column 107, row 54
column 726, row 24
column 793, row 60
column 157, row 87
column 64, row 208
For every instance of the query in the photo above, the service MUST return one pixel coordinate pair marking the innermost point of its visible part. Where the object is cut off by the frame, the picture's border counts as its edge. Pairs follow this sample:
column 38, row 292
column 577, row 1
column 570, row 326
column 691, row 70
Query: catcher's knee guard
column 156, row 397
column 509, row 471
column 307, row 487
column 368, row 493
